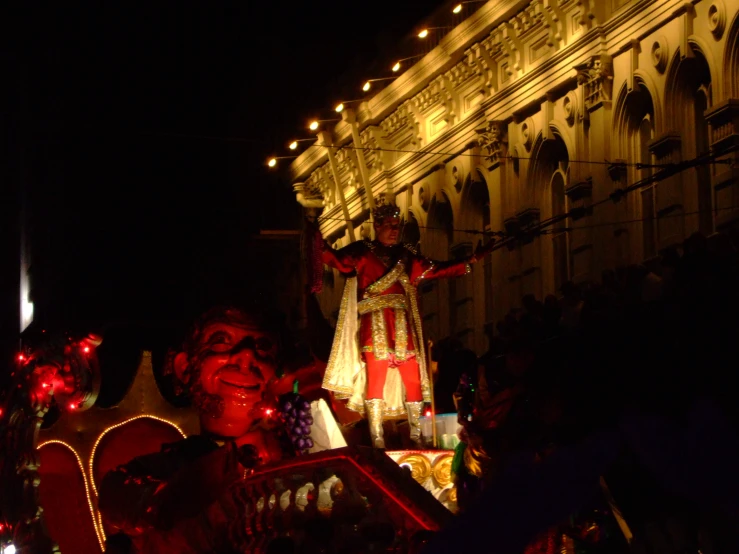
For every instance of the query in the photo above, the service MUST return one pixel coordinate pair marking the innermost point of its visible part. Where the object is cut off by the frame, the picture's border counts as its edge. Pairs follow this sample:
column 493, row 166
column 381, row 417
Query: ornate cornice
column 440, row 85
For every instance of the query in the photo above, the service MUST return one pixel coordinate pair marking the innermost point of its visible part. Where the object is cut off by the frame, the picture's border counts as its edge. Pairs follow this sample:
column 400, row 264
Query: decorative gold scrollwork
column 419, row 464
column 442, row 470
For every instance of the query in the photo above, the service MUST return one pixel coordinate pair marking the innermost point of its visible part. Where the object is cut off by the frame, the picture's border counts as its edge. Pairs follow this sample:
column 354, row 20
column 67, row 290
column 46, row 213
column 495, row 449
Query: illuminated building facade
column 529, row 110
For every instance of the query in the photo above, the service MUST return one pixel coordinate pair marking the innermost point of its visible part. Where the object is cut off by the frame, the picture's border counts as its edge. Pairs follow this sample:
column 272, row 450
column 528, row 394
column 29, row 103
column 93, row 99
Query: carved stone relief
column 596, row 77
column 493, row 139
column 569, row 106
column 717, row 19
column 528, row 132
column 660, row 54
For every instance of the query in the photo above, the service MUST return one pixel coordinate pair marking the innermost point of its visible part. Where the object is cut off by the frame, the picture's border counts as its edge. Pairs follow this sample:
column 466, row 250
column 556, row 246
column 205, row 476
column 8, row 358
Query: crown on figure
column 384, row 209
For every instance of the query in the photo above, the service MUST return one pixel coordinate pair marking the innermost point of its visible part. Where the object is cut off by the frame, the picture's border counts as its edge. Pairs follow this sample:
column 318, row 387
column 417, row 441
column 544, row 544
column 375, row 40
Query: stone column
column 669, row 192
column 596, row 79
column 724, row 137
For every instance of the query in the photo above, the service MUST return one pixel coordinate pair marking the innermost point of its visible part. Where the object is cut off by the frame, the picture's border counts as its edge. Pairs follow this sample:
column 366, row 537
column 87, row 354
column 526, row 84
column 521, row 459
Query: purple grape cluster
column 296, row 413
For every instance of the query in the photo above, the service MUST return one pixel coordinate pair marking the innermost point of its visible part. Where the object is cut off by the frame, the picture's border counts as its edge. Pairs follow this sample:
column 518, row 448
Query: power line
column 423, row 152
column 579, row 212
column 638, row 165
column 642, row 219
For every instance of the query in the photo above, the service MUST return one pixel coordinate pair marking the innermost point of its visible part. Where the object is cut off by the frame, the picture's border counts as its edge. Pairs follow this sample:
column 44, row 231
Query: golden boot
column 414, row 423
column 374, row 408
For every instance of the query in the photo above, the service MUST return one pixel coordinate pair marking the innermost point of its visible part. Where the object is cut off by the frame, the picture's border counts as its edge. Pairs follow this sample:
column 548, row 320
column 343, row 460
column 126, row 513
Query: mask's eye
column 219, row 342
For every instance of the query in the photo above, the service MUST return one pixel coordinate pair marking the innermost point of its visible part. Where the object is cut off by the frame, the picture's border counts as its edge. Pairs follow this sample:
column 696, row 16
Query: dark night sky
column 129, row 221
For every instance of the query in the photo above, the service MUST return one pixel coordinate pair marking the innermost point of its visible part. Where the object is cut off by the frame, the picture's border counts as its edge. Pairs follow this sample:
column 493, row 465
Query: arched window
column 411, row 232
column 560, row 248
column 643, row 136
column 438, row 239
column 689, row 96
column 549, row 177
column 701, row 102
column 636, row 127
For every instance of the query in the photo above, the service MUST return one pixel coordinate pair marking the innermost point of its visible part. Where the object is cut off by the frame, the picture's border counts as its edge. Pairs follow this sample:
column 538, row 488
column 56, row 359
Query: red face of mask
column 231, row 371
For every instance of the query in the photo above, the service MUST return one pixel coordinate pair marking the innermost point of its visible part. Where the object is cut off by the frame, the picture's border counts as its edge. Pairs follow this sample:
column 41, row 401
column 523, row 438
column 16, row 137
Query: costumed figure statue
column 377, row 360
column 178, row 500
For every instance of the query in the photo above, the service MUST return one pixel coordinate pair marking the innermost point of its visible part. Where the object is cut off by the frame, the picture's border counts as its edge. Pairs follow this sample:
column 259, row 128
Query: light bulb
column 423, row 34
column 366, row 86
column 272, row 162
column 396, row 67
column 457, row 8
column 293, row 145
column 340, row 108
column 313, row 125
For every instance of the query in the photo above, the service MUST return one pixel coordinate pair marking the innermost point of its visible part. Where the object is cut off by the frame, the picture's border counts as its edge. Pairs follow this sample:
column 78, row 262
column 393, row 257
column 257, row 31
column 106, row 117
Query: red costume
column 389, row 328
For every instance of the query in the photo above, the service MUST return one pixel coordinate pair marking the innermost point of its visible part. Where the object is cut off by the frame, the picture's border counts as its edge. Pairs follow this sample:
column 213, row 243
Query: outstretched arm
column 424, row 269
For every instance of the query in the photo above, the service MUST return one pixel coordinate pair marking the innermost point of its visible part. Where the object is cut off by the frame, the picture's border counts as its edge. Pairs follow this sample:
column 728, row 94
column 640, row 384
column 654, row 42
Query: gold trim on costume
column 341, row 368
column 417, row 330
column 381, row 302
column 386, row 281
column 375, row 302
column 401, row 335
column 379, row 334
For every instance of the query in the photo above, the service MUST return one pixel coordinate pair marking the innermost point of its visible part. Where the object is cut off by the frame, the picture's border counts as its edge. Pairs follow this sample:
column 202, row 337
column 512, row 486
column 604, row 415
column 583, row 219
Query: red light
column 45, row 385
column 428, row 413
column 268, row 411
column 86, row 349
column 21, row 357
column 72, row 406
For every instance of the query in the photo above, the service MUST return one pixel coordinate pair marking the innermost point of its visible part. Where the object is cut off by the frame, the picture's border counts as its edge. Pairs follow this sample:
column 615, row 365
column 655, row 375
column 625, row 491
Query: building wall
column 514, row 119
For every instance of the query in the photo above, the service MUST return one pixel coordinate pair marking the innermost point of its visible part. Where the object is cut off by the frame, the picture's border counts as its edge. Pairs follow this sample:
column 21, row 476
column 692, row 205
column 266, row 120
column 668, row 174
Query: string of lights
column 620, row 163
column 294, row 143
column 96, row 525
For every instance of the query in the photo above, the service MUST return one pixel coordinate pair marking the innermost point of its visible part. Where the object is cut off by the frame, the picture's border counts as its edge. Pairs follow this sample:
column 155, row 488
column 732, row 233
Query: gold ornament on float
column 420, row 466
column 442, row 471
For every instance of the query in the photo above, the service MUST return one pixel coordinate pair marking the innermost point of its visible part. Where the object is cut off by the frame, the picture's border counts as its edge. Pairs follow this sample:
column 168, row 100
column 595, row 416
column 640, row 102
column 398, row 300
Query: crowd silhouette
column 656, row 339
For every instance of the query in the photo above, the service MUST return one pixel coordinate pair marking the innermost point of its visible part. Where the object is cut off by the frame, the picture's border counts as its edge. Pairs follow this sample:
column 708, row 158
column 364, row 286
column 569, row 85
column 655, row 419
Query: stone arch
column 549, row 157
column 559, row 235
column 634, row 126
column 560, row 129
column 476, row 215
column 434, row 295
column 440, row 225
column 645, row 80
column 689, row 93
column 731, row 60
column 411, row 231
column 681, row 74
column 475, row 198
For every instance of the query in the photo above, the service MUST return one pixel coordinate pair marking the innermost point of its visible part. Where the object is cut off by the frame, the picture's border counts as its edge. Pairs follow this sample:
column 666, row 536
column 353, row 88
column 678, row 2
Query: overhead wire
column 424, row 152
column 668, row 170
